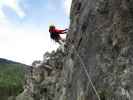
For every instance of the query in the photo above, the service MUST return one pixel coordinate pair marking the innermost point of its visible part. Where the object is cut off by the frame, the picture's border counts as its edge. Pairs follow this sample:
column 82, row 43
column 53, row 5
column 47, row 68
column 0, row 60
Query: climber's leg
column 62, row 45
column 61, row 42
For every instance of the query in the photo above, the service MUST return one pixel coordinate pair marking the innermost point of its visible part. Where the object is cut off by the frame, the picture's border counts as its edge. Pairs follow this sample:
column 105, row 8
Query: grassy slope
column 11, row 78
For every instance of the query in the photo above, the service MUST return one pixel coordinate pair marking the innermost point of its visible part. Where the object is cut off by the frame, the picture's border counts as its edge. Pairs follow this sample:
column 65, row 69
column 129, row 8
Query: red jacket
column 56, row 31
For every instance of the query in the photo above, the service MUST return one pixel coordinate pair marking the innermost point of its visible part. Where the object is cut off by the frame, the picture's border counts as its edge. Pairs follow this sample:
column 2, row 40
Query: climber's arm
column 61, row 31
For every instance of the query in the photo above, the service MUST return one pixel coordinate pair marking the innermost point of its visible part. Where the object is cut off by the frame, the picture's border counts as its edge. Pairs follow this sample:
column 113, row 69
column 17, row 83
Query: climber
column 55, row 34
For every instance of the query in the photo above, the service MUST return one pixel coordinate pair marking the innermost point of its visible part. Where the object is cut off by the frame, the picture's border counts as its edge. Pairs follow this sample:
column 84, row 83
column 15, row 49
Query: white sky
column 68, row 6
column 23, row 44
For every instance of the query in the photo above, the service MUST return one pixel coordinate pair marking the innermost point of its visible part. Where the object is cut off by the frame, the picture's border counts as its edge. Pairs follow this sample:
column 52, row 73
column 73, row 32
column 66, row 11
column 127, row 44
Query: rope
column 85, row 68
column 88, row 76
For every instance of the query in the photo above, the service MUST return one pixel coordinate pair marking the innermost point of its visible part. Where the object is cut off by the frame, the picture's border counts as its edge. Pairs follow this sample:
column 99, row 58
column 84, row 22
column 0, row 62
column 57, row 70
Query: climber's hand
column 66, row 29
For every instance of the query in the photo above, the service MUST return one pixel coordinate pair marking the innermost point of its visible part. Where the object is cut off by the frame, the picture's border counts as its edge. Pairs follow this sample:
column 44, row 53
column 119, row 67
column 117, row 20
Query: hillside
column 11, row 78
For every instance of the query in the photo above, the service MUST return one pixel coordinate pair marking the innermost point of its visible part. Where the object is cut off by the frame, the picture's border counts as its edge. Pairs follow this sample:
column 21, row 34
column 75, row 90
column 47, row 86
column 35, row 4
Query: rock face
column 99, row 46
column 44, row 80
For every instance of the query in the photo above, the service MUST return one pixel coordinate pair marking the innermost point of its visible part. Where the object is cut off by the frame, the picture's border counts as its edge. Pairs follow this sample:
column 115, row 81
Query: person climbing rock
column 55, row 34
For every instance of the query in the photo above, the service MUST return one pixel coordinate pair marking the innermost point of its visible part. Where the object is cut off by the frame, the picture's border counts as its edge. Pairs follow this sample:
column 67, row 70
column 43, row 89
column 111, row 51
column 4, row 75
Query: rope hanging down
column 88, row 76
column 84, row 67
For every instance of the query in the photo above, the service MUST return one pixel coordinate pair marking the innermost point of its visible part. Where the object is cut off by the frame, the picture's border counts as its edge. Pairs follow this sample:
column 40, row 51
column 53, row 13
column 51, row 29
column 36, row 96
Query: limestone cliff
column 99, row 44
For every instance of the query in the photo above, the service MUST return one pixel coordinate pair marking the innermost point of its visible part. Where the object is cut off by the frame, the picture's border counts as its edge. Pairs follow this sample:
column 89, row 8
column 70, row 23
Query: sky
column 24, row 24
